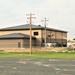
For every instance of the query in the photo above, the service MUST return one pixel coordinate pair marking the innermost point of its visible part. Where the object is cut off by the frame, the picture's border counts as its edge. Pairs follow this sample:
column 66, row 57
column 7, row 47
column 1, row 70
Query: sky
column 60, row 13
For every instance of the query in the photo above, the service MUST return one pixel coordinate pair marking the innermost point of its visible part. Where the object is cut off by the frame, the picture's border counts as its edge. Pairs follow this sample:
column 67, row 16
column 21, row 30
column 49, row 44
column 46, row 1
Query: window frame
column 36, row 34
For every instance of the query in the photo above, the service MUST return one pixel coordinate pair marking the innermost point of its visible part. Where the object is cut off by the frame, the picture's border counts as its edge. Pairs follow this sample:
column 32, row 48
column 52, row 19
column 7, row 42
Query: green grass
column 38, row 55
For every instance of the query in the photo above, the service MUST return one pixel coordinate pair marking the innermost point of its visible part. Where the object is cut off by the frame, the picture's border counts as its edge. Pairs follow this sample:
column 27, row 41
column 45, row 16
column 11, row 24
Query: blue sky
column 61, row 13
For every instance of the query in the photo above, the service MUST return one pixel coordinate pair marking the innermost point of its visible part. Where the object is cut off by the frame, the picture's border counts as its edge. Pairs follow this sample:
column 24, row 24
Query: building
column 19, row 36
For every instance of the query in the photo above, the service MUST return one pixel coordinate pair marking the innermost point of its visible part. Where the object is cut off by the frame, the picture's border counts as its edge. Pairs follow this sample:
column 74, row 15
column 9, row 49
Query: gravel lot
column 37, row 66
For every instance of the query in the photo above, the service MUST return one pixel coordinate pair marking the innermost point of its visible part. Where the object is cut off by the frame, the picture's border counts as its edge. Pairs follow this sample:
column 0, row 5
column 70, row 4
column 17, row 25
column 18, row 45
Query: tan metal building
column 18, row 36
column 15, row 40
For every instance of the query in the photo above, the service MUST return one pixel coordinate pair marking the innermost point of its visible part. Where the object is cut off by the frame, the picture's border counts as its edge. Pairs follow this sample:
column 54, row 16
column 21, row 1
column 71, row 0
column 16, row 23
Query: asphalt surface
column 37, row 66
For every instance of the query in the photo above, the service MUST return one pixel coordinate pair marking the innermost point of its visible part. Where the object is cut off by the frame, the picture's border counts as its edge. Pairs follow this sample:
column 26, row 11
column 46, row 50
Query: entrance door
column 19, row 45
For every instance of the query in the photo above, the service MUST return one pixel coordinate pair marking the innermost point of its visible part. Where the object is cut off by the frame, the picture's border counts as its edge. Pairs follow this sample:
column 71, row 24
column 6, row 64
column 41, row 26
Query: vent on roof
column 39, row 25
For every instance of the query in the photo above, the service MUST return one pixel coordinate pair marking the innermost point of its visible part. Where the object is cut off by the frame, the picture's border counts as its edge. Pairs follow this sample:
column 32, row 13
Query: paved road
column 37, row 66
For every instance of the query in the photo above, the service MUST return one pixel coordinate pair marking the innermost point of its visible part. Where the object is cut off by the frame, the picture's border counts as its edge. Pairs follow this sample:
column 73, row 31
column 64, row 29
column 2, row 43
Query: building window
column 35, row 33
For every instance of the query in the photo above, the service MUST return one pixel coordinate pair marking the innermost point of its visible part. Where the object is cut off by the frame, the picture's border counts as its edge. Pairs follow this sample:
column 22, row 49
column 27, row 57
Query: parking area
column 37, row 66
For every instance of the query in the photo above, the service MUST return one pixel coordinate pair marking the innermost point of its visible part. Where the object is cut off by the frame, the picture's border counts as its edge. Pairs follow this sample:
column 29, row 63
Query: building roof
column 27, row 27
column 16, row 36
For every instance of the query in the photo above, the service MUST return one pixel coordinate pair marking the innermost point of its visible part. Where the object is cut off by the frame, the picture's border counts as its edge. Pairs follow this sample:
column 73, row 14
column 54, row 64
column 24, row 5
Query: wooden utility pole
column 45, row 20
column 30, row 17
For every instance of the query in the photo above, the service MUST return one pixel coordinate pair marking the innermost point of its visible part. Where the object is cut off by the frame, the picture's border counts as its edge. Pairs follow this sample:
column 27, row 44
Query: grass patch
column 38, row 55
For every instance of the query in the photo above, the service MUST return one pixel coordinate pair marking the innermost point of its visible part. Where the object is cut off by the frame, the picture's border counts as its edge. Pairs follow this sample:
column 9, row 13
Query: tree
column 74, row 39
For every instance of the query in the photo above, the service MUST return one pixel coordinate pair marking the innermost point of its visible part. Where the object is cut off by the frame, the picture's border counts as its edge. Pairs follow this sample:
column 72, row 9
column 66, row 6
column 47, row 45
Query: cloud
column 34, row 1
column 61, row 13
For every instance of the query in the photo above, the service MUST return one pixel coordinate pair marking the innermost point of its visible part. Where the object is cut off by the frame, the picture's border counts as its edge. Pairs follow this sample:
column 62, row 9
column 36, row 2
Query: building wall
column 51, row 36
column 38, row 40
column 11, row 43
column 15, row 43
column 55, row 37
column 21, row 31
column 26, row 43
column 38, row 37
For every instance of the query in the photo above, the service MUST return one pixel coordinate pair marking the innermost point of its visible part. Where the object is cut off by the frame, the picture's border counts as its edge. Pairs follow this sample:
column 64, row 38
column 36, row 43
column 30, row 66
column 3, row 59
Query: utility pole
column 45, row 20
column 30, row 17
